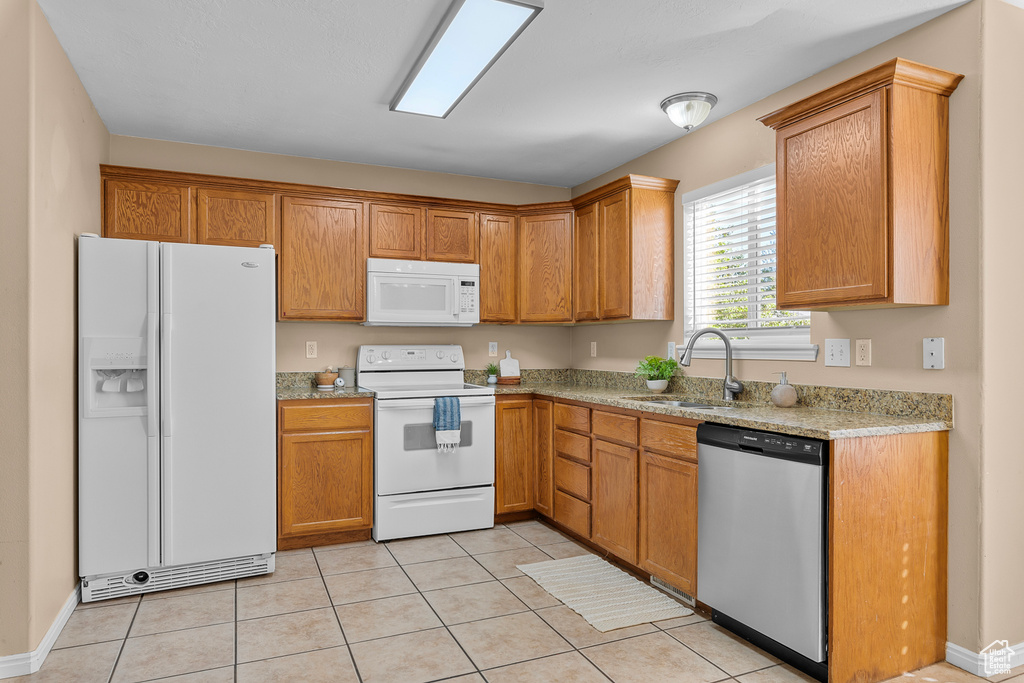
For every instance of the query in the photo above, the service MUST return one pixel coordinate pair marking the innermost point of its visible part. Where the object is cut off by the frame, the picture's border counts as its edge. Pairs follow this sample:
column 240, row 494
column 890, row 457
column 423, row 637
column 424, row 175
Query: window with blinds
column 730, row 266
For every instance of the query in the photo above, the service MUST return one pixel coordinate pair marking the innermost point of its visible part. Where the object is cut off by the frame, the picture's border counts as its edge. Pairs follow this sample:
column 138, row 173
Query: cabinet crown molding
column 894, row 72
column 641, row 182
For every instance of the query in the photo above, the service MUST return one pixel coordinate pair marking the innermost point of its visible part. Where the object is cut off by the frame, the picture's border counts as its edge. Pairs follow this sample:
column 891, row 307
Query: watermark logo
column 997, row 657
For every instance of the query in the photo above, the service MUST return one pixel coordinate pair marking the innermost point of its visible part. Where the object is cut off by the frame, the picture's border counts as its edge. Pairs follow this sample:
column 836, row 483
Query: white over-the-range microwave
column 422, row 293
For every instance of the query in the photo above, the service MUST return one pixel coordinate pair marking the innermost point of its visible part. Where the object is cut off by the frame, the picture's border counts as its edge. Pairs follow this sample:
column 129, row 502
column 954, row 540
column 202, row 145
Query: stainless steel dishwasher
column 761, row 540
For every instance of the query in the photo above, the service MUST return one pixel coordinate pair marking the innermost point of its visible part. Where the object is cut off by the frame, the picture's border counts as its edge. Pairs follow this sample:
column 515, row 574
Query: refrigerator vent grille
column 169, row 578
column 673, row 591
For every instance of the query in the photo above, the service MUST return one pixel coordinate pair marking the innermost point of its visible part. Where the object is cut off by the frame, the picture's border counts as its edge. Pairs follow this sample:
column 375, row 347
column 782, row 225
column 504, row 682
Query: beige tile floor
column 442, row 608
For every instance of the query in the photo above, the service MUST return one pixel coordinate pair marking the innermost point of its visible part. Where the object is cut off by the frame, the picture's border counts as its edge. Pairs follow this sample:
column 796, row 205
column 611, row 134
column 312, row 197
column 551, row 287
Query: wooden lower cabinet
column 668, row 520
column 615, row 507
column 325, row 473
column 543, row 455
column 513, row 454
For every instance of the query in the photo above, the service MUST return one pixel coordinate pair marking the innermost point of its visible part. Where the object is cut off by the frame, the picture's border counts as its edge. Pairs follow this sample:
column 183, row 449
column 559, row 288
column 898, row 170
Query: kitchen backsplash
column 879, row 401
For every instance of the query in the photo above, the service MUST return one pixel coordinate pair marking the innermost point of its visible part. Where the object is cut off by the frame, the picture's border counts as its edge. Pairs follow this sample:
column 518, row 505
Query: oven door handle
column 420, row 403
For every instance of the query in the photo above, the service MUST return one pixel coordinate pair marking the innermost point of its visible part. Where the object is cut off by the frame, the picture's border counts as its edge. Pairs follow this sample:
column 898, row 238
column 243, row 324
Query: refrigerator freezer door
column 119, row 448
column 218, row 417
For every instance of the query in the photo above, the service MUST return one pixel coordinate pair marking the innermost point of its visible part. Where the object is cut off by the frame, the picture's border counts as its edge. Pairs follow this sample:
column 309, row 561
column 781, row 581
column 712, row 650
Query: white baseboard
column 29, row 662
column 974, row 662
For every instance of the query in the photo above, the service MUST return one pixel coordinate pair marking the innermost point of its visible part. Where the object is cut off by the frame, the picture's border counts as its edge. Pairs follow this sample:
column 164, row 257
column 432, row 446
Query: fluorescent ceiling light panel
column 471, row 37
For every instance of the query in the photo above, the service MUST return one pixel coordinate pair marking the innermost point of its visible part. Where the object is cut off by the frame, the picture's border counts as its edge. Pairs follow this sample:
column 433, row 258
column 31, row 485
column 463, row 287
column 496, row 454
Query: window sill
column 759, row 351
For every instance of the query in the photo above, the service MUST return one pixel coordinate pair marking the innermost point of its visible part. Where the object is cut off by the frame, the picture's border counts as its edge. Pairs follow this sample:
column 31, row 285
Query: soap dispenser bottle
column 784, row 394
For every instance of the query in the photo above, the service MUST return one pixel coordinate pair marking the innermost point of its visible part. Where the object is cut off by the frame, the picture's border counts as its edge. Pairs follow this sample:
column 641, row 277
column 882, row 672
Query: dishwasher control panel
column 764, row 442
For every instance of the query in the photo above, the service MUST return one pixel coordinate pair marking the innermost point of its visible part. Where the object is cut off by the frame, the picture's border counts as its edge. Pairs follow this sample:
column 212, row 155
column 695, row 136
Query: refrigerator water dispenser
column 116, row 376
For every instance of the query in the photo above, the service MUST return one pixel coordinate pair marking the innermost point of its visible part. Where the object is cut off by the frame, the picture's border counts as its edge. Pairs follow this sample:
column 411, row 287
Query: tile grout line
column 330, row 600
column 424, row 598
column 124, row 641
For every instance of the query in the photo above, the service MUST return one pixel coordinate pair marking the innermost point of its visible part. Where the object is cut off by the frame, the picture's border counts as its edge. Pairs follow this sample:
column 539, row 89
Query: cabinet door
column 585, row 266
column 513, row 445
column 235, row 219
column 832, row 200
column 614, row 278
column 396, row 231
column 325, row 482
column 451, row 236
column 668, row 520
column 545, row 268
column 147, row 211
column 615, row 499
column 323, row 260
column 498, row 261
column 543, row 453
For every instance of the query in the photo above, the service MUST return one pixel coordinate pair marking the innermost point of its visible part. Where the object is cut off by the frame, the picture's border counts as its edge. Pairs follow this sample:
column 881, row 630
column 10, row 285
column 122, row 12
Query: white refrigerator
column 177, row 444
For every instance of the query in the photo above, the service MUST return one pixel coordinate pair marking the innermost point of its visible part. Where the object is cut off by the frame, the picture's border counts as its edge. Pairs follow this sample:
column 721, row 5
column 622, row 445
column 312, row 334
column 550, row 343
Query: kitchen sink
column 689, row 404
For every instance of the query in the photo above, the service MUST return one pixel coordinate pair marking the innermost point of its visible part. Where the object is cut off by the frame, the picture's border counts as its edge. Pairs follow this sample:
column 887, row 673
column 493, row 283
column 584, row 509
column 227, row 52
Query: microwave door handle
column 455, row 299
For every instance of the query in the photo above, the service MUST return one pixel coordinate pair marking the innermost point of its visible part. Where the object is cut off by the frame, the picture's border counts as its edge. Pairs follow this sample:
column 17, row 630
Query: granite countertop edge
column 816, row 423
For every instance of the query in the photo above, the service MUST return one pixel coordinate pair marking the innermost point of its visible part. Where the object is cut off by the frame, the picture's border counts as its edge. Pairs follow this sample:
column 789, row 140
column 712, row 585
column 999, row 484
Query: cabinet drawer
column 573, row 478
column 573, row 514
column 569, row 445
column 672, row 439
column 322, row 417
column 576, row 418
column 615, row 427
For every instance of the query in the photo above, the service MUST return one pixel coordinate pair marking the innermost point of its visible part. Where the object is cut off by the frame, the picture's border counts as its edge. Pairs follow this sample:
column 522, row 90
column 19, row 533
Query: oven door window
column 420, row 437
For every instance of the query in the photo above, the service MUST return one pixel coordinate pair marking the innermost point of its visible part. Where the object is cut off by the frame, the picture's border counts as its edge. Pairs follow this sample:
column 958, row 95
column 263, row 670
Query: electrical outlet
column 492, row 348
column 863, row 352
column 593, row 349
column 672, row 351
column 934, row 353
column 837, row 353
column 310, row 349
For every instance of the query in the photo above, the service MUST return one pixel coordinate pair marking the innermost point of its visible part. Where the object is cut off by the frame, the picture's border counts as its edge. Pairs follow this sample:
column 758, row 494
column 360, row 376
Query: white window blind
column 730, row 266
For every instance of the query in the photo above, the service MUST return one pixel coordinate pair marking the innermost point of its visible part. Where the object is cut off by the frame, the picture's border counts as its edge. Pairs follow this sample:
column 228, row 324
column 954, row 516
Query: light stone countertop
column 816, row 423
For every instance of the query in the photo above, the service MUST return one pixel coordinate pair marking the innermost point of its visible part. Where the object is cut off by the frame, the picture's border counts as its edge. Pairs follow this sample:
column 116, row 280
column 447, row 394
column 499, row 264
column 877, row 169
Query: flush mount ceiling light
column 471, row 37
column 688, row 109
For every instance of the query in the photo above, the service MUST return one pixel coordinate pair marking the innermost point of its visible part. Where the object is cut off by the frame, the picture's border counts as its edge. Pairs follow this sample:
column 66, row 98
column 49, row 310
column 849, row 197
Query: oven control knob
column 386, row 355
column 371, row 358
column 455, row 358
column 440, row 355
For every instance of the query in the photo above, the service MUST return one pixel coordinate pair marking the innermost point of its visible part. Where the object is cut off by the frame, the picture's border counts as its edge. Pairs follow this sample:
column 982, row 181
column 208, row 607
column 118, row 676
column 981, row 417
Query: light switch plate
column 492, row 348
column 672, row 351
column 593, row 349
column 934, row 353
column 837, row 353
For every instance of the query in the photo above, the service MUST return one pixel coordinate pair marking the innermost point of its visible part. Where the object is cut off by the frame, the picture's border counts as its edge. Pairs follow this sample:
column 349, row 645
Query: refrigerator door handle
column 165, row 376
column 153, row 402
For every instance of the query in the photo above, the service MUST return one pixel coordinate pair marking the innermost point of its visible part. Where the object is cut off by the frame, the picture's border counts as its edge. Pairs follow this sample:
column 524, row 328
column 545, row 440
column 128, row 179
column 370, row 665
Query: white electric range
column 417, row 490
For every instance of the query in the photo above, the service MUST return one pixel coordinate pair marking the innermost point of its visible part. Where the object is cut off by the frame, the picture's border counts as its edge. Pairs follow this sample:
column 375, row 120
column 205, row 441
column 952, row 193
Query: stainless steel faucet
column 731, row 386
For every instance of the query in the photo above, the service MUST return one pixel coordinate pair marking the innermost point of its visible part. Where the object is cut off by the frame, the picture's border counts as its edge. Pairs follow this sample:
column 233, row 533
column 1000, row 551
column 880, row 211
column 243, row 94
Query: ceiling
column 576, row 95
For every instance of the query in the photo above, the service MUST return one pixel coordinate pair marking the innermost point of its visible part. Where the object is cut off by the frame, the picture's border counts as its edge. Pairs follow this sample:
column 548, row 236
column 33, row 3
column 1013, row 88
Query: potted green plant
column 492, row 373
column 657, row 371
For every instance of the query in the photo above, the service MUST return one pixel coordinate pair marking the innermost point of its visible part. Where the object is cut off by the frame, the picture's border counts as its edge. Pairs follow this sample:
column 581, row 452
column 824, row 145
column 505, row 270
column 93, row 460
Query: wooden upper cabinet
column 235, row 218
column 322, row 274
column 451, row 236
column 862, row 193
column 513, row 454
column 396, row 231
column 545, row 267
column 614, row 279
column 147, row 210
column 623, row 262
column 585, row 265
column 498, row 262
